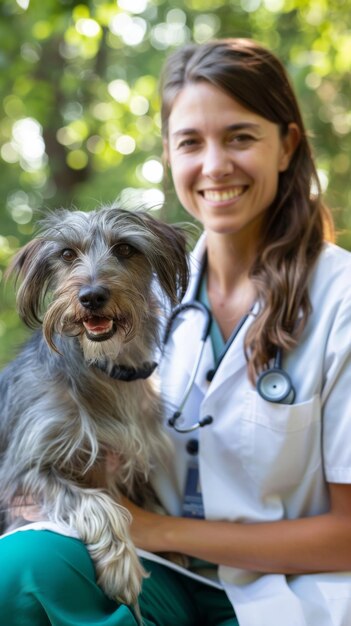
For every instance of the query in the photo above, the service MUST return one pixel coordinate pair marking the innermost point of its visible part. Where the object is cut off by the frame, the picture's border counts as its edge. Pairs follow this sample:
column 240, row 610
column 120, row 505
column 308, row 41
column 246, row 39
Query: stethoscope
column 273, row 384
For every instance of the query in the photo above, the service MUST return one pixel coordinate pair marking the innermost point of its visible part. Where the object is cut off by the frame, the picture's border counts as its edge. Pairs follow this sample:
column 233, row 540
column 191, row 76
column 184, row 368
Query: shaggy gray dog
column 80, row 418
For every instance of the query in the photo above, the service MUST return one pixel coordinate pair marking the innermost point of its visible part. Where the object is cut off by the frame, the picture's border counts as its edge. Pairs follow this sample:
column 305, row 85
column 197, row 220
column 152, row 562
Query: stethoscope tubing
column 184, row 306
column 205, row 333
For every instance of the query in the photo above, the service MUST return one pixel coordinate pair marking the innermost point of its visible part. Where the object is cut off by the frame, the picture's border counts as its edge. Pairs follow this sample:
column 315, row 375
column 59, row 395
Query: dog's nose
column 93, row 297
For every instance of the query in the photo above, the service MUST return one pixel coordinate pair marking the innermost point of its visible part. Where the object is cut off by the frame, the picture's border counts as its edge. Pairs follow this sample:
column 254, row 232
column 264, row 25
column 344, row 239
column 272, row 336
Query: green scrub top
column 47, row 578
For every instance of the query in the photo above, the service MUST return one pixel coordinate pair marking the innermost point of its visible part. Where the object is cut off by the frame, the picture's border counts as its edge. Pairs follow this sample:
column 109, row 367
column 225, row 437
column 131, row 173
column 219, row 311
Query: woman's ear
column 289, row 143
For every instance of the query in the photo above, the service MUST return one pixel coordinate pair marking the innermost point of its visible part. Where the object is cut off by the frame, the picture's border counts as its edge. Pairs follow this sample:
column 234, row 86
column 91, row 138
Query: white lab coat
column 261, row 461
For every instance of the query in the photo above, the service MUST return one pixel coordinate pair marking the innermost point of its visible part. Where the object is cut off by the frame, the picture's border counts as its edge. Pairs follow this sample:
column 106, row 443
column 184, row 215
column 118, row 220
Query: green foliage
column 79, row 115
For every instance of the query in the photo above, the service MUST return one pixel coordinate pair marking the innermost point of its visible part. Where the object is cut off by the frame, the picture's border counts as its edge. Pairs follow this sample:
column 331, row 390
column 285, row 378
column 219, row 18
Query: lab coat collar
column 234, row 362
column 197, row 263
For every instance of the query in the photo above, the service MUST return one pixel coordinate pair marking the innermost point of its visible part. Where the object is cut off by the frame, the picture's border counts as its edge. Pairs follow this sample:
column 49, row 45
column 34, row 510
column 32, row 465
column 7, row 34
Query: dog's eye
column 68, row 255
column 123, row 250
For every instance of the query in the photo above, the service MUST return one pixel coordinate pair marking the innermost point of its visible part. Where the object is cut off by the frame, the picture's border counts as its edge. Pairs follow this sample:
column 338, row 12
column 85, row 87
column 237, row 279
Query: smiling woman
column 265, row 476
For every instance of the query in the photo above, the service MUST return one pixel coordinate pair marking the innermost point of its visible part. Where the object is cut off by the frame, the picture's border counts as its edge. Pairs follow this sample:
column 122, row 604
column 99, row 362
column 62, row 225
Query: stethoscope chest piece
column 274, row 385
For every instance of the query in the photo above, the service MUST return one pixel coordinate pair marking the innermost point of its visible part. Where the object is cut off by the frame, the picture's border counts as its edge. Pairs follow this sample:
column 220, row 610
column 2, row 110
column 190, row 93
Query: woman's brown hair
column 298, row 222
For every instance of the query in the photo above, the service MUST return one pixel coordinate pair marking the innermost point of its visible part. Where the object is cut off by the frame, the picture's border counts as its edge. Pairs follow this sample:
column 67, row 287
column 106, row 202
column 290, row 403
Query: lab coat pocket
column 280, row 443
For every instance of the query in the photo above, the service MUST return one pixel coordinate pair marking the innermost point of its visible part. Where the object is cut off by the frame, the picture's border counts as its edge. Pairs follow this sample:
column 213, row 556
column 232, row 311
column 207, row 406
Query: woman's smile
column 222, row 195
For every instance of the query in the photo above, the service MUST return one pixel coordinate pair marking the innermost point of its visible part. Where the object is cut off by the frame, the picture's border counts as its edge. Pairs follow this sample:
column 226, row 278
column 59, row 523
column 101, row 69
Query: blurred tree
column 79, row 117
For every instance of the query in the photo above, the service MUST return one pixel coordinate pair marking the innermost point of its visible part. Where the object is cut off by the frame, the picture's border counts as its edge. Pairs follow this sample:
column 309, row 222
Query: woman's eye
column 123, row 250
column 242, row 139
column 68, row 255
column 187, row 143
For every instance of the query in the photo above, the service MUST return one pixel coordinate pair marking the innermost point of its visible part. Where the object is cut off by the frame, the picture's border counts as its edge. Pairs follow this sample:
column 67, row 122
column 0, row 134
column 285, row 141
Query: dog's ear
column 29, row 268
column 169, row 257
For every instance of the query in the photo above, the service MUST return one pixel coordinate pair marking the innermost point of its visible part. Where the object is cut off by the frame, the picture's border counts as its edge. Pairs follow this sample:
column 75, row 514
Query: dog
column 81, row 413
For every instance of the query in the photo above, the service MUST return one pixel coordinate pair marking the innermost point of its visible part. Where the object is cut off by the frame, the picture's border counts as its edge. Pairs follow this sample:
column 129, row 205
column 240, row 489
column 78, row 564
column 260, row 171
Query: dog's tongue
column 98, row 324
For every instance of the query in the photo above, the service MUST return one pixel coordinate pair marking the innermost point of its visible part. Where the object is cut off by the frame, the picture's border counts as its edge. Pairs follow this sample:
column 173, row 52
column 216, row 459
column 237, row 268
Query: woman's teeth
column 221, row 196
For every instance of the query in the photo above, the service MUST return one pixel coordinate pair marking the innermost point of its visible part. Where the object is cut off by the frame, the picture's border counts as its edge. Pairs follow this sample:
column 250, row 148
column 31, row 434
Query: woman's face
column 225, row 159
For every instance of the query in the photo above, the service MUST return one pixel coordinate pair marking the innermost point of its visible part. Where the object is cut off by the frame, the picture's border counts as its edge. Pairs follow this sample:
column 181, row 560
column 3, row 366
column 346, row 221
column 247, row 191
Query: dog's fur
column 72, row 437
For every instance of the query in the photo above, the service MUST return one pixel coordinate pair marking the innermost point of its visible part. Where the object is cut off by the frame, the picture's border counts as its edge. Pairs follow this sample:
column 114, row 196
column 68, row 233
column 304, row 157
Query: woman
column 271, row 478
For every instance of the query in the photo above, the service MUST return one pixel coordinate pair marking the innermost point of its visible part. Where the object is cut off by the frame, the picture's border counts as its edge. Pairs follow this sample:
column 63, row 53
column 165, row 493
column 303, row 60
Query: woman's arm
column 314, row 544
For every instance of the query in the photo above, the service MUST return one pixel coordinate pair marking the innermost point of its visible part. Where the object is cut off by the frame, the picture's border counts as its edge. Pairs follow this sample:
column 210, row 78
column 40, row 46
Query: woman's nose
column 216, row 162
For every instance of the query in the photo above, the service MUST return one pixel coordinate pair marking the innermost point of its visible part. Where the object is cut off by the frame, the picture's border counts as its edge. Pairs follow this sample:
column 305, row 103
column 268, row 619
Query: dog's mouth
column 99, row 328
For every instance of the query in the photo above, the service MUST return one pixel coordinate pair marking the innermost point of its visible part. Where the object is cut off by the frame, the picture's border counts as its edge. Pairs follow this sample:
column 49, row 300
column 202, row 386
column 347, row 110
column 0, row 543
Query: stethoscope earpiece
column 208, row 419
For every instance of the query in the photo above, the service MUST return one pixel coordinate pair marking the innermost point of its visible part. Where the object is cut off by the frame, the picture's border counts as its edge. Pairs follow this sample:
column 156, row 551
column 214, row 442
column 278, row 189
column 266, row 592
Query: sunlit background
column 80, row 124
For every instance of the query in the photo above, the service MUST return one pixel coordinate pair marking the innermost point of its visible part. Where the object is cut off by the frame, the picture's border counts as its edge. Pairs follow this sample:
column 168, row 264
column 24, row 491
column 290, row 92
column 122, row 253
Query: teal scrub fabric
column 171, row 599
column 48, row 579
